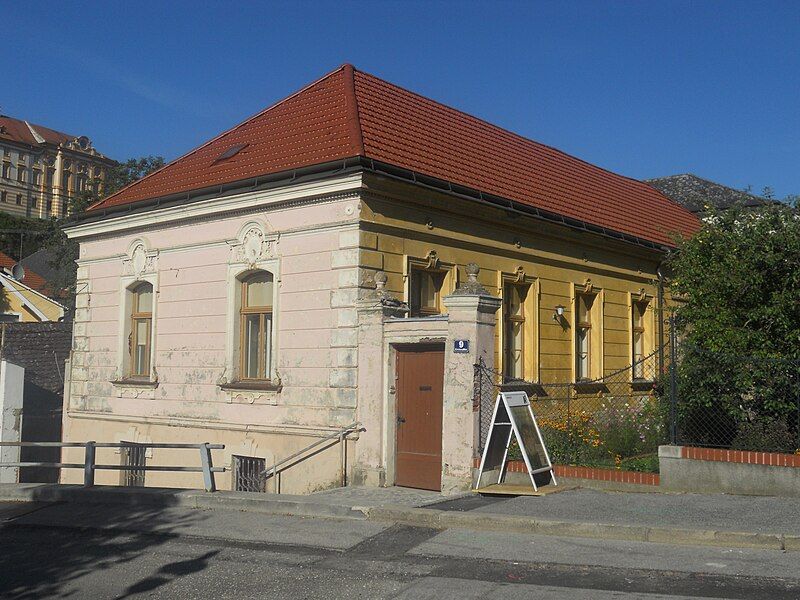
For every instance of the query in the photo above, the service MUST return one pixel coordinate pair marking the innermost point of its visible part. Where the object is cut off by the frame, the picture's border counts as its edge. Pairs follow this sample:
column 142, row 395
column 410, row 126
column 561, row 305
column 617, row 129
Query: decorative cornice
column 330, row 190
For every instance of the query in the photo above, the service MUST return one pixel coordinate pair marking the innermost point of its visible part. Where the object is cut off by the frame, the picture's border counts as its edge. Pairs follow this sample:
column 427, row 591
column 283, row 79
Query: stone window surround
column 597, row 345
column 649, row 344
column 430, row 262
column 532, row 316
column 127, row 282
column 230, row 379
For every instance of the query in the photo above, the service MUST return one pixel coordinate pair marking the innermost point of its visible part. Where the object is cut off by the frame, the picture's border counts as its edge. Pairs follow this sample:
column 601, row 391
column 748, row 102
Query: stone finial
column 471, row 287
column 384, row 296
column 380, row 282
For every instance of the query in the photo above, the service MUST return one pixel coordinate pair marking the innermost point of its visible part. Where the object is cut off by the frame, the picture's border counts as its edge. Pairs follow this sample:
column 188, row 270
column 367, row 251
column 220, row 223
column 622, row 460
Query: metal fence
column 730, row 400
column 679, row 394
column 90, row 465
column 617, row 421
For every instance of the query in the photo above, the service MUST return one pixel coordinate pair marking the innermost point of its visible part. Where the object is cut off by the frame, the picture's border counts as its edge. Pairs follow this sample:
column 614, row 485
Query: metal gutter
column 357, row 164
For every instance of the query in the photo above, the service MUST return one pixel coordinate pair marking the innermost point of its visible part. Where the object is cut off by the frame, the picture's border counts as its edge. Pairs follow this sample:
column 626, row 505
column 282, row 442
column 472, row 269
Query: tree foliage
column 740, row 325
column 119, row 176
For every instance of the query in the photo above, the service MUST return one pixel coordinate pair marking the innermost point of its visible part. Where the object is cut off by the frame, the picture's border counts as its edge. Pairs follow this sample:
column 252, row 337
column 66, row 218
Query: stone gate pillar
column 471, row 312
column 373, row 307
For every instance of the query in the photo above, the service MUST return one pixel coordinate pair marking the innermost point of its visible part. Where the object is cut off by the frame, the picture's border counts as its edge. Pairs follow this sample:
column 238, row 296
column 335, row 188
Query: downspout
column 661, row 317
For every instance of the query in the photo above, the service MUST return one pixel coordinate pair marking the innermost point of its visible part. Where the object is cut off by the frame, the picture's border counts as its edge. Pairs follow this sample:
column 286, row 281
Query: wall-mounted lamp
column 558, row 313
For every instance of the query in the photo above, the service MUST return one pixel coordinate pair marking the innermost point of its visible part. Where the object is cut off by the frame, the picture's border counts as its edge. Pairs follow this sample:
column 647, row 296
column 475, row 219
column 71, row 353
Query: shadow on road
column 168, row 573
column 101, row 536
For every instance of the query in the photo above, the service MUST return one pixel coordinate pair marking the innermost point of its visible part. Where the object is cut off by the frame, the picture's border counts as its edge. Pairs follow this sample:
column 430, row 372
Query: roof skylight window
column 231, row 152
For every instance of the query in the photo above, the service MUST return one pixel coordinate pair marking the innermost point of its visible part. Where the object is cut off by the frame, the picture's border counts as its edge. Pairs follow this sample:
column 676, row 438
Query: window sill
column 643, row 384
column 135, row 383
column 587, row 387
column 529, row 387
column 253, row 386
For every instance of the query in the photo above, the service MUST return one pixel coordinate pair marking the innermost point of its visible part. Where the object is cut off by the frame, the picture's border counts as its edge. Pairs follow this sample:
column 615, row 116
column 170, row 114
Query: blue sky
column 642, row 88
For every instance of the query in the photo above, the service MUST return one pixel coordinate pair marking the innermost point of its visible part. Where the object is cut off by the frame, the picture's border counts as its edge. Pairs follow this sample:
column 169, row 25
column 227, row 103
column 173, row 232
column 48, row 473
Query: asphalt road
column 44, row 556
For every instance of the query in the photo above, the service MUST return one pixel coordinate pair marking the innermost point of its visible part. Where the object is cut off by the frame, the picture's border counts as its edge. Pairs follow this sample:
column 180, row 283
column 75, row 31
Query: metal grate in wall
column 247, row 473
column 133, row 456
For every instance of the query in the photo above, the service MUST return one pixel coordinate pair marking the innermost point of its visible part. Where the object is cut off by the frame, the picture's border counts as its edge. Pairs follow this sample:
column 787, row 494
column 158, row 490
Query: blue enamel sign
column 461, row 346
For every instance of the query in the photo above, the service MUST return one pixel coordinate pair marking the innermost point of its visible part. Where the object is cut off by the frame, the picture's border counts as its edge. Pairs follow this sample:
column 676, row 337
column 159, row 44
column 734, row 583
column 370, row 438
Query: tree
column 119, row 176
column 740, row 325
column 133, row 169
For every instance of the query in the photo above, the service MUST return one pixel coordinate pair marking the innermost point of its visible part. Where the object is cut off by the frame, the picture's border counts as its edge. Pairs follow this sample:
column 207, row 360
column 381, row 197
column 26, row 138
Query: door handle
column 400, row 420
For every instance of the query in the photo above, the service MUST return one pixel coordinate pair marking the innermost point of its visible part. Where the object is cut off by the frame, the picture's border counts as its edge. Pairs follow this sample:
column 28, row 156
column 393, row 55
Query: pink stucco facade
column 308, row 240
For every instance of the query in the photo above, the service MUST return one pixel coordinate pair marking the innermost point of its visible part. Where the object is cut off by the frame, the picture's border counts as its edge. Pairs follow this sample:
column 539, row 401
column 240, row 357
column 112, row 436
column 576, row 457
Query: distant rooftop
column 31, row 279
column 23, row 132
column 697, row 194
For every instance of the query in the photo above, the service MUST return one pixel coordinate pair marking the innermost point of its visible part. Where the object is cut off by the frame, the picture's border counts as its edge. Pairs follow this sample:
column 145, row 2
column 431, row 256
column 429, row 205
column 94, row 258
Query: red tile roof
column 31, row 279
column 18, row 131
column 349, row 113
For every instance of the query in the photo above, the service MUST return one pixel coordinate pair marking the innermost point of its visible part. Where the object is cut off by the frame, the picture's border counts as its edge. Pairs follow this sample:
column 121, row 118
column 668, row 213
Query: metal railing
column 90, row 465
column 339, row 436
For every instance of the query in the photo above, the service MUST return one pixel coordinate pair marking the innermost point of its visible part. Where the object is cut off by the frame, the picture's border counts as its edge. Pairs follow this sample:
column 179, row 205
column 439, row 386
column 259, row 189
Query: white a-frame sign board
column 513, row 416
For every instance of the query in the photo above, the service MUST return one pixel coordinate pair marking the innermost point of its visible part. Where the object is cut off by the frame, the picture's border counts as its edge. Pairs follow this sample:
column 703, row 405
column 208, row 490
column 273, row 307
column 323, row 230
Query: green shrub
column 765, row 434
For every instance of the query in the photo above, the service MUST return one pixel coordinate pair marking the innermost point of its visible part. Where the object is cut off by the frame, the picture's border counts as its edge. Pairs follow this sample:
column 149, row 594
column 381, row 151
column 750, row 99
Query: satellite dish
column 18, row 272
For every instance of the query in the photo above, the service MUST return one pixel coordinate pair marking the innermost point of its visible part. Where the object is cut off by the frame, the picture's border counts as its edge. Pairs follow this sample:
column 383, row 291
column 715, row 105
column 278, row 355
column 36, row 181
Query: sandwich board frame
column 513, row 415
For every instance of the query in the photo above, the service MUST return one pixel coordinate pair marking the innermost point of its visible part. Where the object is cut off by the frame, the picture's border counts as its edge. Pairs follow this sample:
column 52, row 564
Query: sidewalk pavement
column 682, row 519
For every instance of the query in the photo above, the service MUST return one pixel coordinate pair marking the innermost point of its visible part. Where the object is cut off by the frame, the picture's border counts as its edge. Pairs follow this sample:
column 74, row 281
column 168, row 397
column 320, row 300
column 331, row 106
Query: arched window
column 141, row 329
column 255, row 340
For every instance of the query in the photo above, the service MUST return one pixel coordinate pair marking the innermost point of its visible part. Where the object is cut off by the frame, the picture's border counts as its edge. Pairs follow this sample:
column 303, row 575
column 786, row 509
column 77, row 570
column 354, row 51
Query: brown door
column 420, row 384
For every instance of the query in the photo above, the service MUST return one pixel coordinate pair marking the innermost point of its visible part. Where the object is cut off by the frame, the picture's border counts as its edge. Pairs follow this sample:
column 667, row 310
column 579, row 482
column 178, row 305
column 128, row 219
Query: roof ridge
column 221, row 135
column 36, row 135
column 519, row 136
column 351, row 99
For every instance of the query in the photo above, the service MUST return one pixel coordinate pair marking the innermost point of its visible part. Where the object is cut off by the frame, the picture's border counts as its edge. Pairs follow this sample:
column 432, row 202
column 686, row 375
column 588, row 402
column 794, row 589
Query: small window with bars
column 247, row 472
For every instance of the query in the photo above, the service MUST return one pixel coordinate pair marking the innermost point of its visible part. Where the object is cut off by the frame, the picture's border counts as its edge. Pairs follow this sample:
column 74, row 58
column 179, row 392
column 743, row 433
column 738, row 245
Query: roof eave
column 356, row 164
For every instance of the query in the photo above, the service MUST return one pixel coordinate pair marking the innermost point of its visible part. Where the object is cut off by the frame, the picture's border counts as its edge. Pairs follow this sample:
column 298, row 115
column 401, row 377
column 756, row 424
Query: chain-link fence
column 730, row 400
column 617, row 421
column 703, row 397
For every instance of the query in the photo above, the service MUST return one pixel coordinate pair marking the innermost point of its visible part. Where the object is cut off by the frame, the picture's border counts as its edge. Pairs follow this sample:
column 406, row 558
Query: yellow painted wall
column 400, row 222
column 11, row 303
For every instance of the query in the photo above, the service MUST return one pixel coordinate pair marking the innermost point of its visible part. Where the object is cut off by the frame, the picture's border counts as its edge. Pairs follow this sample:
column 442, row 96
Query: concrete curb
column 423, row 517
column 285, row 504
column 306, row 506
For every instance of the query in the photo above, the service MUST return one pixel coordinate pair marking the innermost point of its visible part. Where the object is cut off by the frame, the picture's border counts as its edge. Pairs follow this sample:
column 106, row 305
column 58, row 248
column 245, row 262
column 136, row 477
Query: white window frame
column 649, row 320
column 596, row 342
column 236, row 273
column 531, row 367
column 127, row 284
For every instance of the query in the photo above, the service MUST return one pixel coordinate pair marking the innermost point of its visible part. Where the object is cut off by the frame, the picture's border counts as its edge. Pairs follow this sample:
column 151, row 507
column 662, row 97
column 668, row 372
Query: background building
column 42, row 169
column 25, row 296
column 701, row 195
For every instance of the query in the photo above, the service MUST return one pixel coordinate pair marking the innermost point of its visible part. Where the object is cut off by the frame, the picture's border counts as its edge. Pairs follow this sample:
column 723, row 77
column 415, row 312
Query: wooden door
column 420, row 386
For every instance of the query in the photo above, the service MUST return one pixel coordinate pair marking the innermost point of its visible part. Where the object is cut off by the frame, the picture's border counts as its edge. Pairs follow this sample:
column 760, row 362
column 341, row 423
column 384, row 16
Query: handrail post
column 343, row 474
column 206, row 462
column 88, row 464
